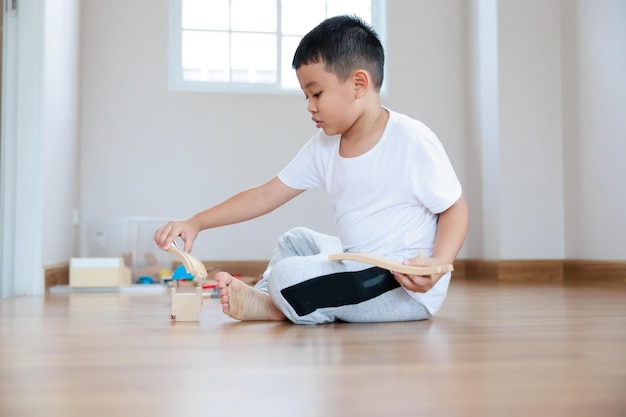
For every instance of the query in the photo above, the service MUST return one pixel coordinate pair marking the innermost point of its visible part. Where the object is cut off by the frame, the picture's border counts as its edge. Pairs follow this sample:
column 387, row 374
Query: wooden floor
column 495, row 349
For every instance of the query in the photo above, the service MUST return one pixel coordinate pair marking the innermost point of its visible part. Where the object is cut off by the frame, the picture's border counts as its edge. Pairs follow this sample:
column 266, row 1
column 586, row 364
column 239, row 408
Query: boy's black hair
column 344, row 44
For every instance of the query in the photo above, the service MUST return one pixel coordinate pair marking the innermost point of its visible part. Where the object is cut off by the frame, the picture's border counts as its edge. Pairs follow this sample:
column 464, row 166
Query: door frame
column 21, row 163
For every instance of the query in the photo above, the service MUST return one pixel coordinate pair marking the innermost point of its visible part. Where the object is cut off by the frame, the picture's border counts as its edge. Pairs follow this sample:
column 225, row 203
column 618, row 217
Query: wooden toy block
column 186, row 306
column 192, row 264
column 391, row 265
column 99, row 273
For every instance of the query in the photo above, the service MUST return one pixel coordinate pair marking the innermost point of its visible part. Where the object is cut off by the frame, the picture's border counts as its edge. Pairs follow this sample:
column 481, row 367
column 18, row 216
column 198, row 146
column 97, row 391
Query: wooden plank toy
column 191, row 263
column 186, row 306
column 391, row 265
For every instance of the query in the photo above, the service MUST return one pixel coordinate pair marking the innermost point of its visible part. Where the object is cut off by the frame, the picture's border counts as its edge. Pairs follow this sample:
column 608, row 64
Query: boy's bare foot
column 242, row 302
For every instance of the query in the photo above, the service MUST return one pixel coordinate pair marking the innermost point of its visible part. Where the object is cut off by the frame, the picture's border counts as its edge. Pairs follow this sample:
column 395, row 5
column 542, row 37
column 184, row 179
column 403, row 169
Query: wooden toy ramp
column 191, row 263
column 391, row 265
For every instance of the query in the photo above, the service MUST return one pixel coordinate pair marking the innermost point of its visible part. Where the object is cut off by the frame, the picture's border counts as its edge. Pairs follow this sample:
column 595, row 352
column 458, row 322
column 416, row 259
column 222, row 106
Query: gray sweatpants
column 301, row 255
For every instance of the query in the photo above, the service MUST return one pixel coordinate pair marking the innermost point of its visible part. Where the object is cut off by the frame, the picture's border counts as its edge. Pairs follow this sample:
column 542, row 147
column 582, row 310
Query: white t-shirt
column 385, row 201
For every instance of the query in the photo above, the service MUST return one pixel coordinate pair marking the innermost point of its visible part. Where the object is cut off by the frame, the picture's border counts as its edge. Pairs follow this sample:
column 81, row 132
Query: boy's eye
column 316, row 95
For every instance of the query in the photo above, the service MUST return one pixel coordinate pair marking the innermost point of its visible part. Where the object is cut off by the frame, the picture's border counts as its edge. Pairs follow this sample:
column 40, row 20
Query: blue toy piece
column 145, row 279
column 180, row 273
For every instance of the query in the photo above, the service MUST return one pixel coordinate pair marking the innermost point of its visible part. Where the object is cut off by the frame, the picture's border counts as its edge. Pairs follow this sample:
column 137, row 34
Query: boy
column 392, row 188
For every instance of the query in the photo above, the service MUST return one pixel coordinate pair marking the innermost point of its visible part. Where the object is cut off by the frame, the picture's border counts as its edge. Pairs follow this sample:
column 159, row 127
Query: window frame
column 175, row 70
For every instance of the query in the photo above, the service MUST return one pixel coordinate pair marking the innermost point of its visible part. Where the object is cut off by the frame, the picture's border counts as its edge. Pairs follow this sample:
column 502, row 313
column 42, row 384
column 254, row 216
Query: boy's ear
column 361, row 80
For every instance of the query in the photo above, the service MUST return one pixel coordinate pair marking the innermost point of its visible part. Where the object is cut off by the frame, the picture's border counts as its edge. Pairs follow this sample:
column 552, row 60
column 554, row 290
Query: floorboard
column 494, row 349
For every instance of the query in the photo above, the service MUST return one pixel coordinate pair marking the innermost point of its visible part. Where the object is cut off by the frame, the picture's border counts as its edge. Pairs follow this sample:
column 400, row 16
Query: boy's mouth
column 318, row 123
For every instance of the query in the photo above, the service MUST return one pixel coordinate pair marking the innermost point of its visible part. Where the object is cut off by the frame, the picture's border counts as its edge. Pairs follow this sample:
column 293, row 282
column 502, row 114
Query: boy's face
column 330, row 101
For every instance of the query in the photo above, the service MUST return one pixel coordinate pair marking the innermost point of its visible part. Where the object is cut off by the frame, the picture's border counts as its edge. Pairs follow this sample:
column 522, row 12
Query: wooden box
column 186, row 306
column 99, row 273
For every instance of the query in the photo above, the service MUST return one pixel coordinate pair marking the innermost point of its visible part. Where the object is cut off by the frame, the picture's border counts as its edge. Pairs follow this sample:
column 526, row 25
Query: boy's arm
column 452, row 228
column 246, row 205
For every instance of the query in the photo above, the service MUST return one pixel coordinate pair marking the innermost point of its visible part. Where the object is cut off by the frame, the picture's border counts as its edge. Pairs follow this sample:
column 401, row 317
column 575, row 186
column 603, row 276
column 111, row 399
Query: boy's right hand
column 187, row 230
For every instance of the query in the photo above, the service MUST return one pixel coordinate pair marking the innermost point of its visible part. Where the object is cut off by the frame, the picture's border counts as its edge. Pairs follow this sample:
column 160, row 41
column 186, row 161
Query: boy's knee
column 295, row 233
column 301, row 241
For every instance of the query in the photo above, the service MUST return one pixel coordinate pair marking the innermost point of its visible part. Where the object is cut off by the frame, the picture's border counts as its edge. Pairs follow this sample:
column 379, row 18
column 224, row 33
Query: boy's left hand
column 419, row 283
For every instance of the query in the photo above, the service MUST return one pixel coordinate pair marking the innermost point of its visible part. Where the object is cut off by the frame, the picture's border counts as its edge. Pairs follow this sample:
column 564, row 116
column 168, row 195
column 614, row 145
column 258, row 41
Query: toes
column 223, row 279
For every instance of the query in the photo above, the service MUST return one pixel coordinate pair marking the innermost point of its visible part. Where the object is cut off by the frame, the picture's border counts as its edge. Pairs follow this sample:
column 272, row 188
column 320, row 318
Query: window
column 247, row 46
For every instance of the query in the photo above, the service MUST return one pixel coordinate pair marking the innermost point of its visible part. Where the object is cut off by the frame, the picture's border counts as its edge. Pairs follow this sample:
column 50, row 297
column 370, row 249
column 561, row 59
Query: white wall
column 531, row 160
column 483, row 146
column 60, row 130
column 594, row 128
column 515, row 81
column 546, row 139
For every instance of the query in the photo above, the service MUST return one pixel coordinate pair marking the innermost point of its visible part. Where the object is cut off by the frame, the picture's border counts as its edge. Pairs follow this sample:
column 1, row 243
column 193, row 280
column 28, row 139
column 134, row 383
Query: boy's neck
column 365, row 133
